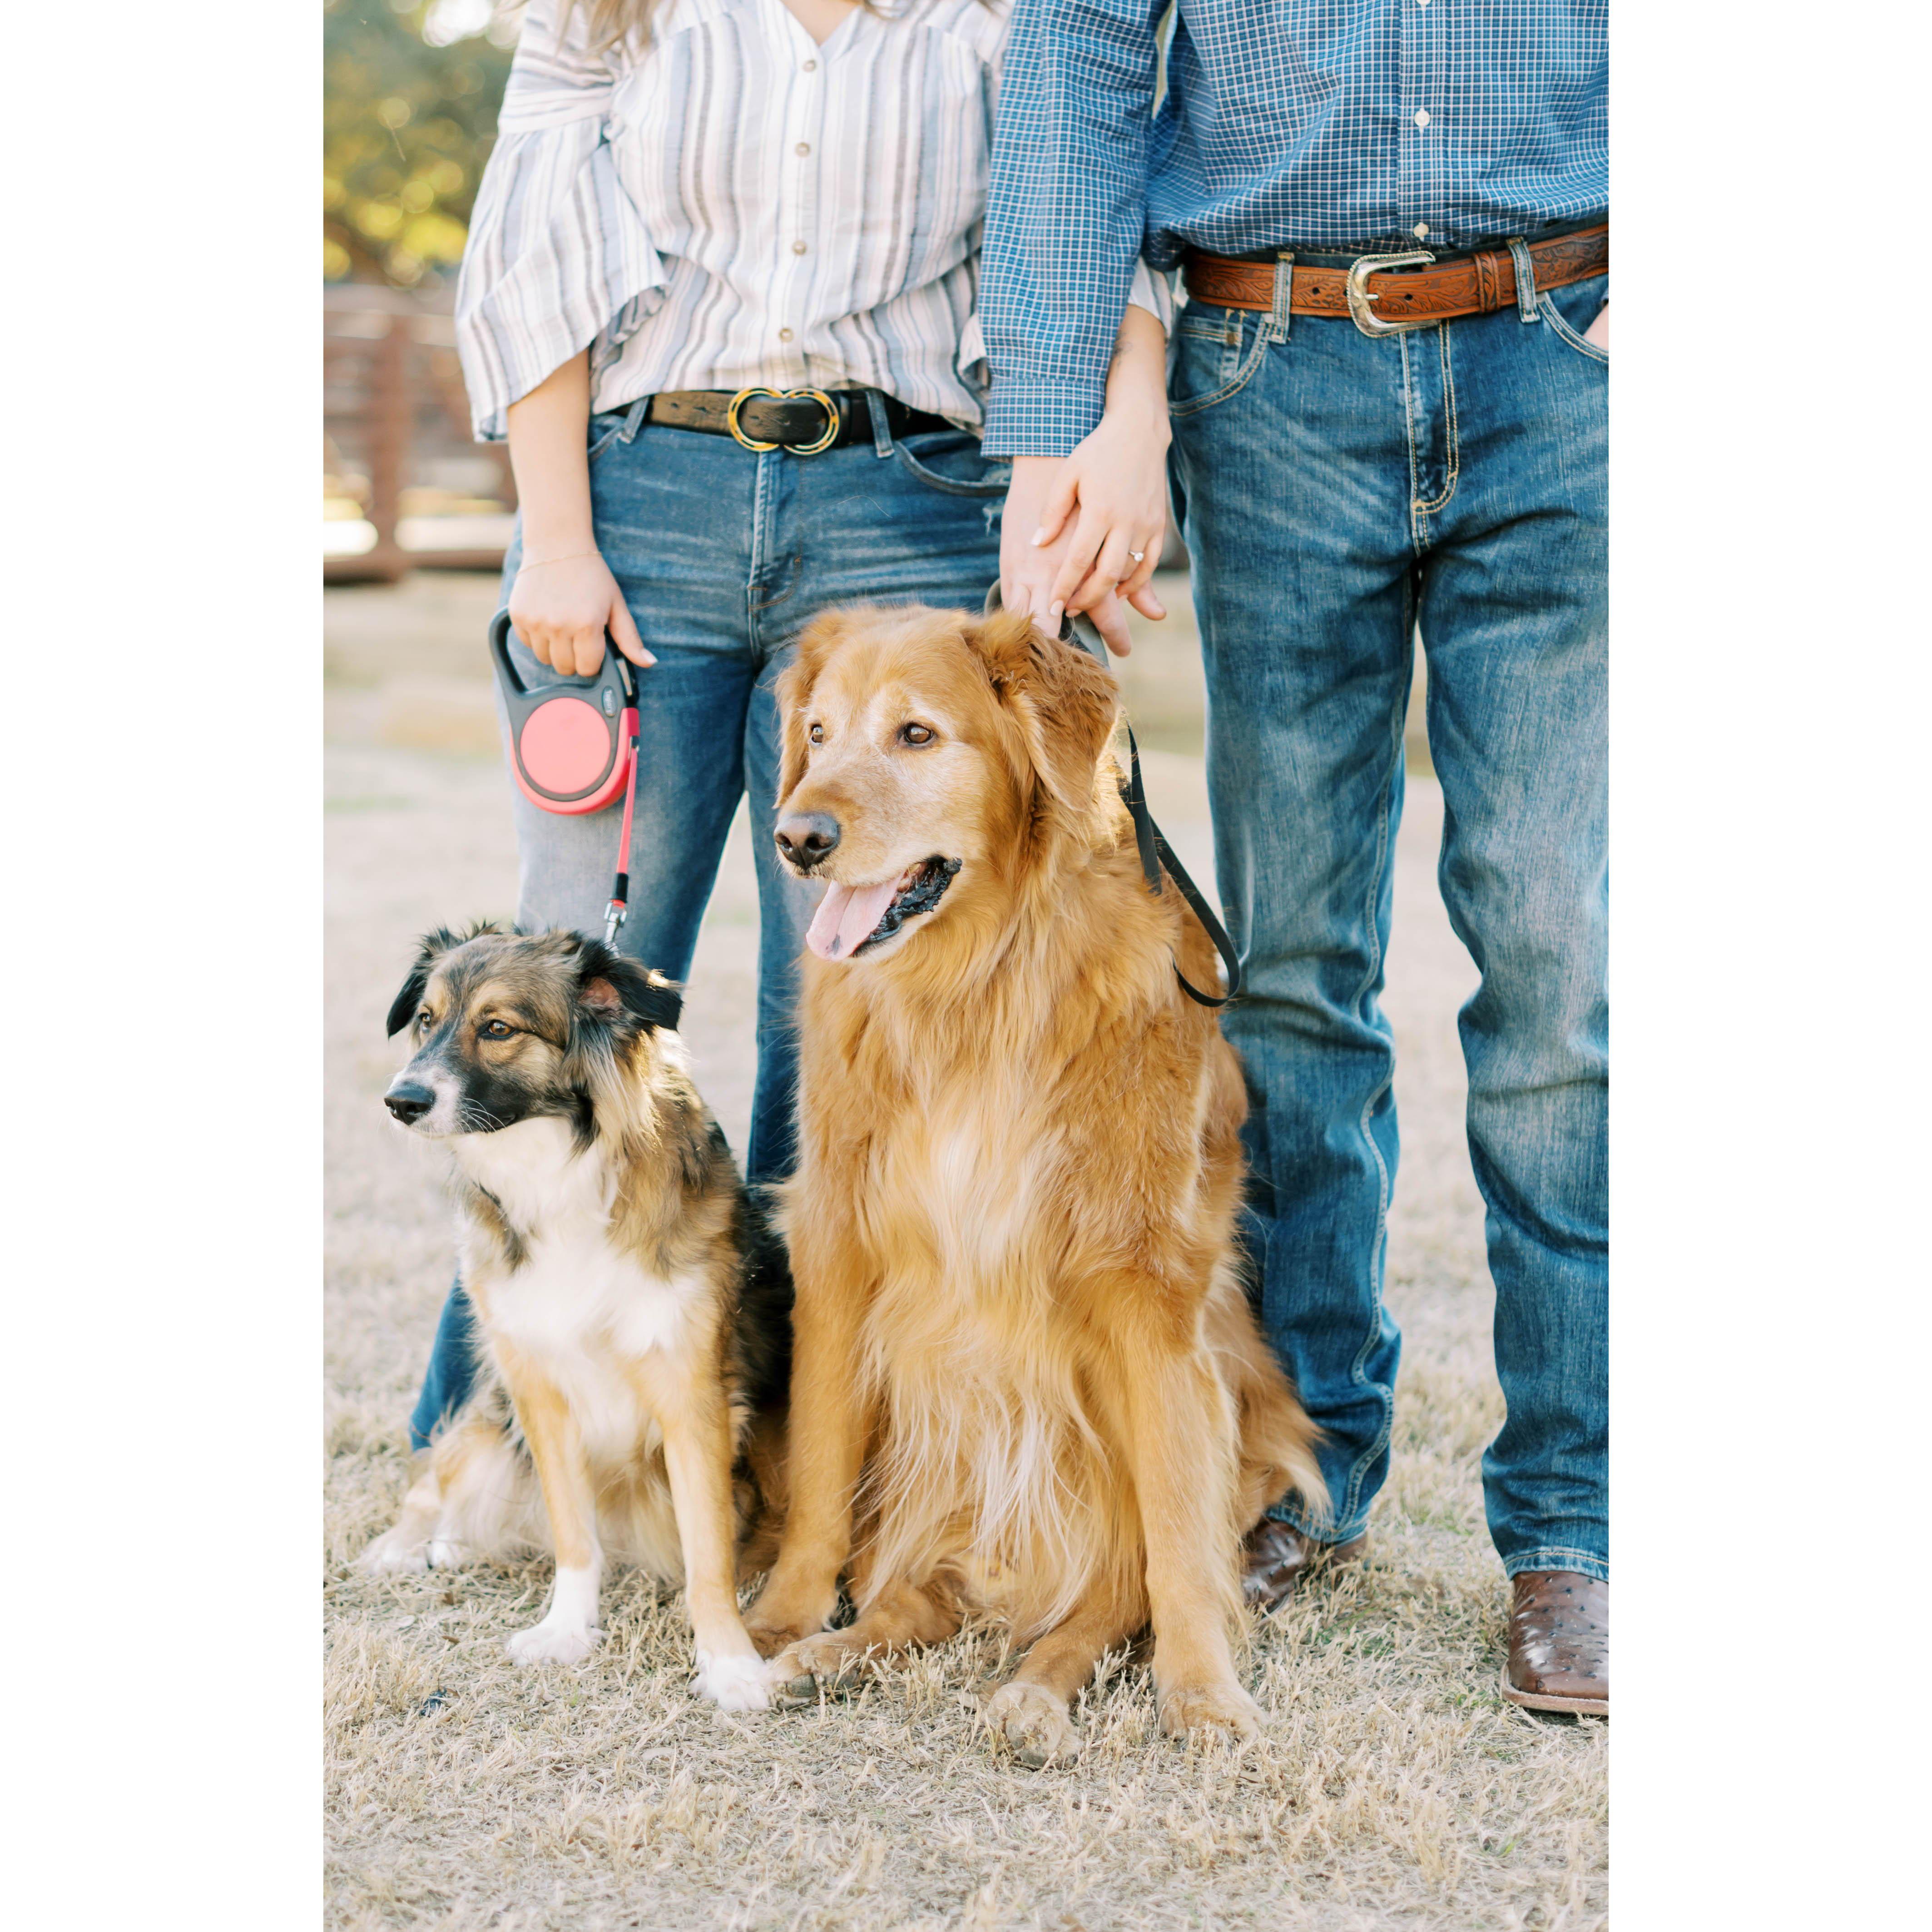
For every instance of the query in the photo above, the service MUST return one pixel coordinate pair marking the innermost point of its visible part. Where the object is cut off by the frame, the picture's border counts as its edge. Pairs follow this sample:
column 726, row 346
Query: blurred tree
column 411, row 89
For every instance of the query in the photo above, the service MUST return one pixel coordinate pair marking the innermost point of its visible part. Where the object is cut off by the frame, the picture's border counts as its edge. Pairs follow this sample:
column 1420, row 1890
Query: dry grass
column 1392, row 1787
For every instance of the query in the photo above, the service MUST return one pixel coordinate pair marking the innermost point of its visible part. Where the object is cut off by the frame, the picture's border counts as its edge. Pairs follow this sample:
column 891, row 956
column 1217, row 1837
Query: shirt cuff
column 1030, row 418
column 1154, row 293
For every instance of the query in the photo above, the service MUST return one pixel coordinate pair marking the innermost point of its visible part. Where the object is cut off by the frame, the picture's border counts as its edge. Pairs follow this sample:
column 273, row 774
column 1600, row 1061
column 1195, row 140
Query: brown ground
column 1393, row 1787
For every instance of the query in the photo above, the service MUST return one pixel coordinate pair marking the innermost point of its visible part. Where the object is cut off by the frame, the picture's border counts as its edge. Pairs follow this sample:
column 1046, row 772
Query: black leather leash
column 1155, row 851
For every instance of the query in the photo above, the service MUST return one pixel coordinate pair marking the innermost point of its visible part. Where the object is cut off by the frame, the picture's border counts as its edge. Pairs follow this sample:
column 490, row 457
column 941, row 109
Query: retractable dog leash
column 1155, row 851
column 573, row 746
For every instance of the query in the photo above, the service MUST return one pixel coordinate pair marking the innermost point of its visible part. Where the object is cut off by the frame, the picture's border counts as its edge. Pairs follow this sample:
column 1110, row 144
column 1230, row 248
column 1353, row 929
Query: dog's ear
column 611, row 984
column 794, row 692
column 402, row 1009
column 1063, row 699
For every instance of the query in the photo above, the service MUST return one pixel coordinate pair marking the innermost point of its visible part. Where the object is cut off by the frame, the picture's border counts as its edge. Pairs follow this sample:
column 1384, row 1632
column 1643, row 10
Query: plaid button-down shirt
column 1317, row 125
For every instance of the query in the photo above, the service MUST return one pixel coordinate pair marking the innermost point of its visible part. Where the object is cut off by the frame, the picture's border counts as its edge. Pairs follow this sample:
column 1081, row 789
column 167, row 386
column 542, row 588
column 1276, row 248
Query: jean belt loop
column 1525, row 279
column 634, row 420
column 882, row 430
column 1284, row 293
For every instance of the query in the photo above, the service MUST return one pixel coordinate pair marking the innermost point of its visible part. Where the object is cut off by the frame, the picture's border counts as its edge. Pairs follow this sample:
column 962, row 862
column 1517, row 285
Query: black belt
column 804, row 422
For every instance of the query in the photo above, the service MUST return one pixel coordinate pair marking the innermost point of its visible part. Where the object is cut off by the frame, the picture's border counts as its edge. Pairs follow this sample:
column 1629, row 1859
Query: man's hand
column 561, row 609
column 1072, row 524
column 1599, row 331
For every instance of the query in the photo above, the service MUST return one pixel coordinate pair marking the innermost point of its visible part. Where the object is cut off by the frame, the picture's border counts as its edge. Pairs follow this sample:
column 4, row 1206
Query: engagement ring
column 1138, row 556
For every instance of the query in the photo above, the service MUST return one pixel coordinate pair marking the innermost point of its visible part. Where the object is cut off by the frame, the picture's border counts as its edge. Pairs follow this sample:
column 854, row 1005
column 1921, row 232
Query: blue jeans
column 1339, row 490
column 724, row 556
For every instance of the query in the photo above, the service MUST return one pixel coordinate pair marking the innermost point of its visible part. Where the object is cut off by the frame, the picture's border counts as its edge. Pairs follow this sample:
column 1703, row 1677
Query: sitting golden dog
column 1027, row 1380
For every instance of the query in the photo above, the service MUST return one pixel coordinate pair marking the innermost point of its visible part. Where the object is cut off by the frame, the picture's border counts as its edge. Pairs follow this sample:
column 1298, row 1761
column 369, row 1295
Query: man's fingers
column 1145, row 600
column 624, row 628
column 1110, row 619
column 1058, row 506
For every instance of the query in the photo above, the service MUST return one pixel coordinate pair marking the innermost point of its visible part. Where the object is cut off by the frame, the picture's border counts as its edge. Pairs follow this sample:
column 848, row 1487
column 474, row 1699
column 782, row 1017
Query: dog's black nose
column 409, row 1102
column 806, row 837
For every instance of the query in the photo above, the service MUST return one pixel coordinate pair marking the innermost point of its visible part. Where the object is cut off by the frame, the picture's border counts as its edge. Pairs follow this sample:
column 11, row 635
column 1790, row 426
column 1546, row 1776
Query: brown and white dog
column 1026, row 1379
column 630, row 1304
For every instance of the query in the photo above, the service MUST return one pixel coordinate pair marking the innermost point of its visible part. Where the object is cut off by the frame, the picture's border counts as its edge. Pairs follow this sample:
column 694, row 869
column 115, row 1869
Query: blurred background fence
column 411, row 91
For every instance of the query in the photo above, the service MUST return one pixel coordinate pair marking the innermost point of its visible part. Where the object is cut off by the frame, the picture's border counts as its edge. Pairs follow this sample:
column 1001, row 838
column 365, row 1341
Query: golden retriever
column 1027, row 1380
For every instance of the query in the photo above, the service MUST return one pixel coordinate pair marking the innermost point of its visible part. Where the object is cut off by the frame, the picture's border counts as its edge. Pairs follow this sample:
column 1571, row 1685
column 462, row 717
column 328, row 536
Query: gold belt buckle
column 1360, row 295
column 825, row 442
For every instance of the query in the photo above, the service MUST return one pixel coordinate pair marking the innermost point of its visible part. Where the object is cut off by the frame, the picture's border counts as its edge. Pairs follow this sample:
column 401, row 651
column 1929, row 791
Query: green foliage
column 411, row 89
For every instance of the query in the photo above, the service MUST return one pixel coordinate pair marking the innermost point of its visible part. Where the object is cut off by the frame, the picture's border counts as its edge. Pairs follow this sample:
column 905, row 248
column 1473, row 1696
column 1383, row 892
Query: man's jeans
column 1339, row 491
column 724, row 556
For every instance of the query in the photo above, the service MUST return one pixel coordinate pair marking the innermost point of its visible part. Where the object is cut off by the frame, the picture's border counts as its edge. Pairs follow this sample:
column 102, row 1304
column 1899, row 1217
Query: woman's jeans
column 1338, row 490
column 724, row 556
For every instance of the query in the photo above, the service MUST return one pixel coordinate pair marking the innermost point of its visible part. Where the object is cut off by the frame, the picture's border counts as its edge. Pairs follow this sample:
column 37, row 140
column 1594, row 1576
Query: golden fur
column 1026, row 1377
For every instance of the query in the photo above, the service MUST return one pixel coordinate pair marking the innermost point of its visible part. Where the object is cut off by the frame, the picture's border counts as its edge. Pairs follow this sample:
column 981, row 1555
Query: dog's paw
column 1033, row 1723
column 1209, row 1712
column 825, row 1662
column 548, row 1643
column 393, row 1554
column 444, row 1553
column 733, row 1683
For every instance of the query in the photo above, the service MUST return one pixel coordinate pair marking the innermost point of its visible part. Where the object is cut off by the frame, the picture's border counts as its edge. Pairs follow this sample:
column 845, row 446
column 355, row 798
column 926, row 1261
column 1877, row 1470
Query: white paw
column 443, row 1554
column 390, row 1555
column 733, row 1683
column 548, row 1642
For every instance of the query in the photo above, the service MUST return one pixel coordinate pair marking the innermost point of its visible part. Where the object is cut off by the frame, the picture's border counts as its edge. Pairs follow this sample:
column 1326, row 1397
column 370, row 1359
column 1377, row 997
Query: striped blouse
column 733, row 204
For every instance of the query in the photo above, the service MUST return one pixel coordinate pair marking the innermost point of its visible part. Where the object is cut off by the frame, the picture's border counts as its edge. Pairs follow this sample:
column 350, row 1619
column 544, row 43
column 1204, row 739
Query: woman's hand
column 561, row 609
column 565, row 596
column 1085, row 532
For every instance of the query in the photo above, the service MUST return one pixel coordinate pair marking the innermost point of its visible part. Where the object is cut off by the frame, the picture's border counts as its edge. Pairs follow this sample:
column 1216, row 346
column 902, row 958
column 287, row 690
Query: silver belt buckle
column 1360, row 295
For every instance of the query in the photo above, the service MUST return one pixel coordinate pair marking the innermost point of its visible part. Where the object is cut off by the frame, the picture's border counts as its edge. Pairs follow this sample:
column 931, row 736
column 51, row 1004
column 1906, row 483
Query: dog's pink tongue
column 846, row 917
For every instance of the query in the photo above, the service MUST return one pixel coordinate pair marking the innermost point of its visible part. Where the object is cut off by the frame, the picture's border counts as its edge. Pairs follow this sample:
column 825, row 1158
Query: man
column 1362, row 448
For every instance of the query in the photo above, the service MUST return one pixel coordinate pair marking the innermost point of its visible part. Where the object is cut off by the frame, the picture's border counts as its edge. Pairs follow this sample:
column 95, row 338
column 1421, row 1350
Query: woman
column 692, row 205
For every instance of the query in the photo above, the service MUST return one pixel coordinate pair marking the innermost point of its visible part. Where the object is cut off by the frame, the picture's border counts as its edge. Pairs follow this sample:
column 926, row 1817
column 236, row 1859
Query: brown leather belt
column 1470, row 285
column 804, row 422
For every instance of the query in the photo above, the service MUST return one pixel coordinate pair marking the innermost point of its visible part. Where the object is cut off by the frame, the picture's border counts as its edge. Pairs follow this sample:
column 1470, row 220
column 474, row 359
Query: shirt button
column 784, row 335
column 1421, row 231
column 803, row 147
column 811, row 67
column 798, row 248
column 1422, row 117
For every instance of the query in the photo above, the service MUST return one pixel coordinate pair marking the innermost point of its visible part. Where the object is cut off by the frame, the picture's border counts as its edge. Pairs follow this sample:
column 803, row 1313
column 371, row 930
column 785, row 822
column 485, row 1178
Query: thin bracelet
column 544, row 562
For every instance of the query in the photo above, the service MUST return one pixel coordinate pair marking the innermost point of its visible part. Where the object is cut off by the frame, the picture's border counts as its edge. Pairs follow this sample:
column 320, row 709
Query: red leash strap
column 616, row 913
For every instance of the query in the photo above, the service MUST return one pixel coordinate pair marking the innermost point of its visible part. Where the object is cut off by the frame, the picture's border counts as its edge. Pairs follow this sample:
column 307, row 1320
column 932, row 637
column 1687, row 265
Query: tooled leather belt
column 1384, row 294
column 805, row 421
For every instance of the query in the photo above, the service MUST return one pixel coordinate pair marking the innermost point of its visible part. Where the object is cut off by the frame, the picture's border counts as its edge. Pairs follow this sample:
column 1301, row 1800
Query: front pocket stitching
column 1548, row 310
column 1243, row 376
column 997, row 488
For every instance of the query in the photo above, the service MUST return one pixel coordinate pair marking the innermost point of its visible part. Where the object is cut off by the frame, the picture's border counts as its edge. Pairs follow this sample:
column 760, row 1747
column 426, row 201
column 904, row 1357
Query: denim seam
column 1408, row 401
column 1379, row 1251
column 1586, row 1562
column 1455, row 450
column 1243, row 377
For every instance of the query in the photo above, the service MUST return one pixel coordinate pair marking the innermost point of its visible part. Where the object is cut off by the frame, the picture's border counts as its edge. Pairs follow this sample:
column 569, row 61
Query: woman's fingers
column 624, row 628
column 1077, row 563
column 1147, row 603
column 1150, row 548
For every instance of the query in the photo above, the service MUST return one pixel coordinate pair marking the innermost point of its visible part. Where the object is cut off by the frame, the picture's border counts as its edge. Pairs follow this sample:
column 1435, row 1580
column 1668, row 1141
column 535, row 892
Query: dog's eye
column 915, row 734
column 494, row 1030
column 817, row 734
column 425, row 1019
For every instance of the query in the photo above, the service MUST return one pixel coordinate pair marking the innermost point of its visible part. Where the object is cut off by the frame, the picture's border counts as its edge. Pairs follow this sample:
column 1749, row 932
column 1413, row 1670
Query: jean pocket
column 950, row 460
column 1583, row 300
column 1212, row 362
